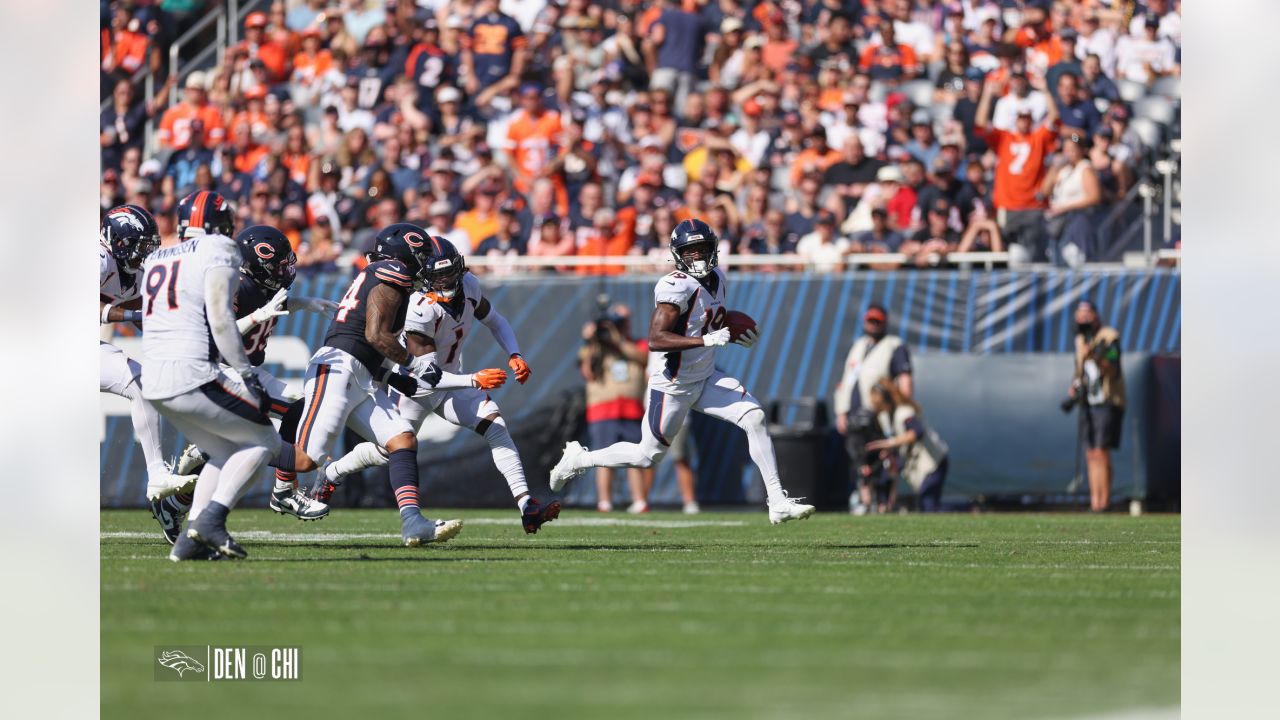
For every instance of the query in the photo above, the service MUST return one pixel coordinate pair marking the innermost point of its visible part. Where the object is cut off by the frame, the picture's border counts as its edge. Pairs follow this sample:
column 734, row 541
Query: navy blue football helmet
column 695, row 235
column 444, row 268
column 130, row 234
column 406, row 242
column 268, row 257
column 208, row 211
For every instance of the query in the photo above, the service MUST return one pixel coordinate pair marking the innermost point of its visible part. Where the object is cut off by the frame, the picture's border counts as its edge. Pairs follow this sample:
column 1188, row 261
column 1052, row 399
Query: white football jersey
column 702, row 310
column 429, row 316
column 178, row 349
column 111, row 285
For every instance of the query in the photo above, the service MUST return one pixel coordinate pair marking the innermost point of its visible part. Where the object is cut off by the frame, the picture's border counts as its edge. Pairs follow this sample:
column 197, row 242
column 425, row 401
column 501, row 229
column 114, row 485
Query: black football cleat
column 535, row 514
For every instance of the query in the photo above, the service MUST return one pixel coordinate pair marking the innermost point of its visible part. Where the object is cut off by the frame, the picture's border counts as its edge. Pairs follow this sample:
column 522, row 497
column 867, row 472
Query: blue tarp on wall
column 808, row 323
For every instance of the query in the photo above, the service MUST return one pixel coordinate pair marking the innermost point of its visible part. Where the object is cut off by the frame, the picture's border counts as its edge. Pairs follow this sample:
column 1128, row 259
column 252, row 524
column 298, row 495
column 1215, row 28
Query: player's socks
column 285, row 459
column 760, row 447
column 617, row 455
column 208, row 482
column 285, row 482
column 523, row 501
column 146, row 427
column 505, row 457
column 362, row 457
column 238, row 473
column 403, row 469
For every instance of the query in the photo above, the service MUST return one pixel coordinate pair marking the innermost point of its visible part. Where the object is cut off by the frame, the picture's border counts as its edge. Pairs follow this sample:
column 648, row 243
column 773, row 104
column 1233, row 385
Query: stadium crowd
column 572, row 127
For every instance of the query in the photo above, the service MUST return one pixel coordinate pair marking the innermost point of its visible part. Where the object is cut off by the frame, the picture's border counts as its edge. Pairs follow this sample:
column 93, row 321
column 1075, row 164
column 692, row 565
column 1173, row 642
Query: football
column 738, row 323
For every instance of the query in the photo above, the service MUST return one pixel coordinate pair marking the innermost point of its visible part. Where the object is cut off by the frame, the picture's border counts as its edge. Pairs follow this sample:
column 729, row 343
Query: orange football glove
column 520, row 368
column 489, row 378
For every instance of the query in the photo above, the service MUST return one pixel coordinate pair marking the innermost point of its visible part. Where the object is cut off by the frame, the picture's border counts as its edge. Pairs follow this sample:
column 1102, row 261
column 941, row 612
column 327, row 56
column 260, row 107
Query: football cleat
column 213, row 535
column 564, row 470
column 187, row 549
column 162, row 485
column 418, row 530
column 292, row 502
column 190, row 461
column 324, row 490
column 535, row 514
column 170, row 514
column 787, row 509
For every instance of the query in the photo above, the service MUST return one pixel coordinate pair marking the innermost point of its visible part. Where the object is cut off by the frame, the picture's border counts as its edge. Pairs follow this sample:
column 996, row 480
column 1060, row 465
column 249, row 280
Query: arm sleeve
column 219, row 287
column 245, row 324
column 501, row 330
column 305, row 304
column 436, row 379
column 900, row 363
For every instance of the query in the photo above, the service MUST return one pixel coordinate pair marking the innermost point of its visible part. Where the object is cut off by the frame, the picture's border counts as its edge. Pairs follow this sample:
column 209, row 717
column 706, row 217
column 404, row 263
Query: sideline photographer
column 613, row 365
column 1098, row 381
column 874, row 356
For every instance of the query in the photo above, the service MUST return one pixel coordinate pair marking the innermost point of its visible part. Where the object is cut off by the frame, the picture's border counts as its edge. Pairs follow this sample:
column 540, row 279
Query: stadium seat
column 1130, row 90
column 1151, row 133
column 1169, row 86
column 1155, row 108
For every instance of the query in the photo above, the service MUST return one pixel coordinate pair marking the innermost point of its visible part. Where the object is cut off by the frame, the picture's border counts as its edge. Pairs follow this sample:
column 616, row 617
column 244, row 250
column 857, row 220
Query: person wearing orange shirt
column 889, row 60
column 816, row 156
column 481, row 220
column 531, row 137
column 1020, row 171
column 605, row 238
column 175, row 124
column 312, row 61
column 125, row 45
column 256, row 45
column 260, row 126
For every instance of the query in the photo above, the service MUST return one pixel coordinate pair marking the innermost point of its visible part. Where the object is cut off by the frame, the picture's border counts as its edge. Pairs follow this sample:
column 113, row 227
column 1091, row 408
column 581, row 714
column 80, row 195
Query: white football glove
column 422, row 364
column 716, row 338
column 748, row 339
column 274, row 308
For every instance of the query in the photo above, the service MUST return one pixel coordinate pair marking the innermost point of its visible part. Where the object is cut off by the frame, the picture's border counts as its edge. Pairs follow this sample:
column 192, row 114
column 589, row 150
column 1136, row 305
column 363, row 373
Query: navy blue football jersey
column 250, row 297
column 346, row 332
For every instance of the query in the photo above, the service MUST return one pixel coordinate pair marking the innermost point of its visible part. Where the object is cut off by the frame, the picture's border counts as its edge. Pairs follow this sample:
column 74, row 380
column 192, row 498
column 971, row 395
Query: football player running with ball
column 438, row 321
column 342, row 380
column 688, row 325
column 128, row 235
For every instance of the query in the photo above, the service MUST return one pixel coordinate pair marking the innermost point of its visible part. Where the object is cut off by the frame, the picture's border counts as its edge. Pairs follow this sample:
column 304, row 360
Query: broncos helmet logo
column 126, row 216
column 264, row 250
column 180, row 661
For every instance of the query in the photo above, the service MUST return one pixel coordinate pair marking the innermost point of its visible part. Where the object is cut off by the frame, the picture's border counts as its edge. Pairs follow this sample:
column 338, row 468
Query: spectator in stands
column 506, row 242
column 1143, row 58
column 1076, row 109
column 1098, row 388
column 930, row 244
column 852, row 173
column 184, row 164
column 822, row 248
column 494, row 53
column 1021, row 98
column 257, row 46
column 126, row 45
column 1020, row 171
column 123, row 124
column 175, row 125
column 880, row 238
column 613, row 366
column 441, row 215
column 1095, row 83
column 889, row 60
column 1072, row 188
column 874, row 356
column 921, row 451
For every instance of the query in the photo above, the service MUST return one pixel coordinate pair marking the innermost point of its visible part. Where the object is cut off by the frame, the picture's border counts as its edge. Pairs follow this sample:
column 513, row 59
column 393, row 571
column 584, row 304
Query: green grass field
column 722, row 615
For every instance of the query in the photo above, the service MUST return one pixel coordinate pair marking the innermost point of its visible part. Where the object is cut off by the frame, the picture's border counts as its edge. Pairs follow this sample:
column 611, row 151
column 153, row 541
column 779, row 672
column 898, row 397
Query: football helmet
column 130, row 234
column 691, row 234
column 207, row 211
column 268, row 257
column 444, row 268
column 406, row 242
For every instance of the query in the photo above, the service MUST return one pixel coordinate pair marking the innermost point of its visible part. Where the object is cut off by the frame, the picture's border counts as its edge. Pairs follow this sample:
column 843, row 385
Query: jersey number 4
column 156, row 280
column 351, row 300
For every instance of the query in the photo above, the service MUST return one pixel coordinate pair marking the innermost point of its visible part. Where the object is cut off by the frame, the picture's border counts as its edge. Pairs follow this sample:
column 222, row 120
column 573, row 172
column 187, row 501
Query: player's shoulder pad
column 219, row 250
column 423, row 306
column 471, row 287
column 106, row 264
column 391, row 272
column 675, row 288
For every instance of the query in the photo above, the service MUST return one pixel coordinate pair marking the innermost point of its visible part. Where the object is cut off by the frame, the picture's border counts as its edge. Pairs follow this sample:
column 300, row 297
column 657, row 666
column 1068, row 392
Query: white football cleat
column 190, row 461
column 162, row 485
column 787, row 509
column 562, row 473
